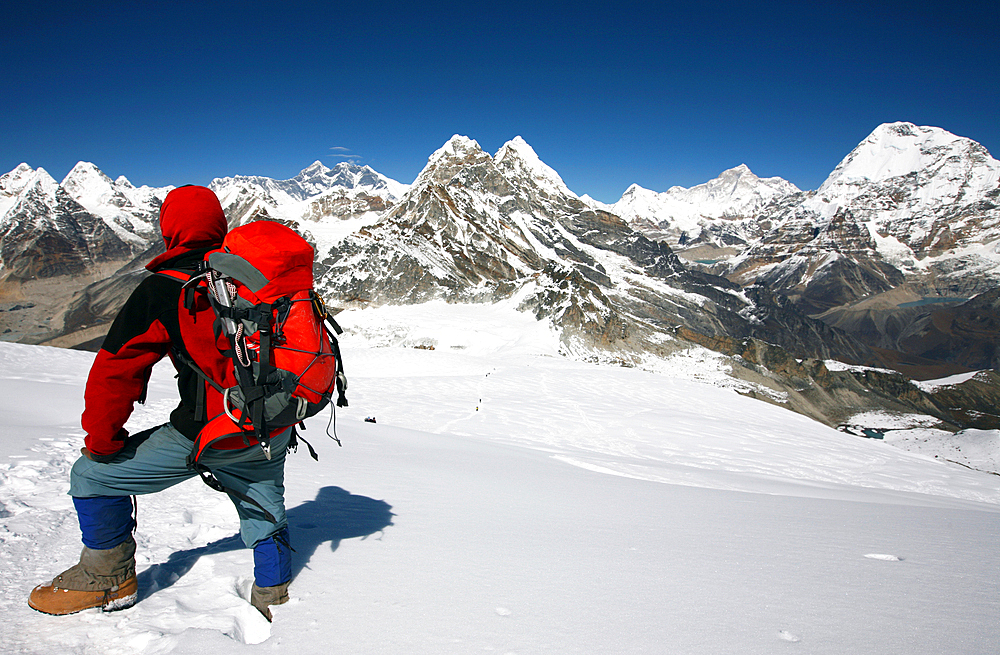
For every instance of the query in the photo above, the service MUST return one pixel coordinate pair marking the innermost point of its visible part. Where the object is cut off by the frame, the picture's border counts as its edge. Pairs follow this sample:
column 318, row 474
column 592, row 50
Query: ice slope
column 895, row 150
column 512, row 501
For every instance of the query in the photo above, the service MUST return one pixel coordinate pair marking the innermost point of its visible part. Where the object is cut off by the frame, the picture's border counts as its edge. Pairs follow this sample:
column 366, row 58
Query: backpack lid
column 270, row 259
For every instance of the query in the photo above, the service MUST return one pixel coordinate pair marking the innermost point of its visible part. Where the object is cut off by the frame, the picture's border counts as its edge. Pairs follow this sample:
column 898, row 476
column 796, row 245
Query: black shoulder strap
column 178, row 274
column 186, row 276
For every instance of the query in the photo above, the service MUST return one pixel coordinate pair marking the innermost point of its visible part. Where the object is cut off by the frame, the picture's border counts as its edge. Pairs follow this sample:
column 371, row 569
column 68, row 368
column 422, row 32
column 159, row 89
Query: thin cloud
column 340, row 152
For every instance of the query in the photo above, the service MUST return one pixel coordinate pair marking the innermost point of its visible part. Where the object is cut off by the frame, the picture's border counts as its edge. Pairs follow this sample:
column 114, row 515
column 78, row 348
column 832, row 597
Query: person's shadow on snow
column 334, row 515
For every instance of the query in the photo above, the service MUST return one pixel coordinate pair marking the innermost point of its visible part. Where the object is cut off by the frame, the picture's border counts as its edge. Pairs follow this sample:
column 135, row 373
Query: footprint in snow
column 883, row 557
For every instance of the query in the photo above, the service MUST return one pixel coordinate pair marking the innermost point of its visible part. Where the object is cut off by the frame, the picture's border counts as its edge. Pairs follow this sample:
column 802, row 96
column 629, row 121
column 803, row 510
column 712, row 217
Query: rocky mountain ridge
column 480, row 228
column 914, row 205
column 907, row 225
column 706, row 220
column 68, row 249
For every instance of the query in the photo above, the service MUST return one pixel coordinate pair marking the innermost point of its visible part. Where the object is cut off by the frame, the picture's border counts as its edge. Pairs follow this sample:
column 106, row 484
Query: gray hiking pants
column 159, row 461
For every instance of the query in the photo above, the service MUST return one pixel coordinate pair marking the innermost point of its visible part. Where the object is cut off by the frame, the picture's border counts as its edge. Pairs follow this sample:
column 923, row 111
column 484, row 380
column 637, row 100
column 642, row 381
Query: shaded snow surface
column 512, row 501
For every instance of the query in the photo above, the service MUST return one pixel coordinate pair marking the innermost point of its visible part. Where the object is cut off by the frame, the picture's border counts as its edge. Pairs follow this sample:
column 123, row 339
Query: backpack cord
column 333, row 422
column 279, row 541
column 293, row 443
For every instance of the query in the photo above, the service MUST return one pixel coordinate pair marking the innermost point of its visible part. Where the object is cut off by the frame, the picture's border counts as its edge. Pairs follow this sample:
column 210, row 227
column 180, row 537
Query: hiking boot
column 263, row 597
column 103, row 578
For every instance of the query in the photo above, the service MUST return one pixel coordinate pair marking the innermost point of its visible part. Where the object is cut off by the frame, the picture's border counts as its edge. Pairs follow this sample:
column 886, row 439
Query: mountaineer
column 155, row 322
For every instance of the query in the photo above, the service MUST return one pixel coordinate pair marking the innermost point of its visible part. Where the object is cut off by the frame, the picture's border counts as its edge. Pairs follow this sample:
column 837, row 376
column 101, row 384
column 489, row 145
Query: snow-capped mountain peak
column 24, row 182
column 910, row 203
column 684, row 213
column 903, row 171
column 314, row 168
column 311, row 182
column 14, row 181
column 449, row 159
column 363, row 178
column 89, row 186
column 458, row 146
column 895, row 150
column 518, row 159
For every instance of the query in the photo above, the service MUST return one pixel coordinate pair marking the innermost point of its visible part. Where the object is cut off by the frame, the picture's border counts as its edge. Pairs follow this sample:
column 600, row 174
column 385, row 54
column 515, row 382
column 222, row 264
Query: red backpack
column 282, row 343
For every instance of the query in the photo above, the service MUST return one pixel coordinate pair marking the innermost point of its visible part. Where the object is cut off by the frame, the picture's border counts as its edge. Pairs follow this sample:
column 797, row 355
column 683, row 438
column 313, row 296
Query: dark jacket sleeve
column 137, row 340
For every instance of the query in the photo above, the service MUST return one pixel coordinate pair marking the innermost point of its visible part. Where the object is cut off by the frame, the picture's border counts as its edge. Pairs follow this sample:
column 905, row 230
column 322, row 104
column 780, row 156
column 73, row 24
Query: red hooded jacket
column 151, row 323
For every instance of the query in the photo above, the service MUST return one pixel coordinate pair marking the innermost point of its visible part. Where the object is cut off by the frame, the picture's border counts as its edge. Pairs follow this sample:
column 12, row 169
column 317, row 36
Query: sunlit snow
column 511, row 500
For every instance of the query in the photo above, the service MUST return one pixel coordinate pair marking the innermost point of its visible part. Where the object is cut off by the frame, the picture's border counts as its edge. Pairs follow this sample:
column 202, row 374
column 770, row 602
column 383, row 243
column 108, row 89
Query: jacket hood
column 191, row 218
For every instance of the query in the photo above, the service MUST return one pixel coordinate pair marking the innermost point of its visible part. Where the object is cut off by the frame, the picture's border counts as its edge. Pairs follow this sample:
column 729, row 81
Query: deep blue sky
column 608, row 94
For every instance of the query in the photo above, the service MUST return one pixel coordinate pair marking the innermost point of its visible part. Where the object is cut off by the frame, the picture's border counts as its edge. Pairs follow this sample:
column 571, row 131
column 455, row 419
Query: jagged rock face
column 475, row 227
column 49, row 229
column 344, row 205
column 973, row 403
column 47, row 236
column 910, row 204
column 37, row 239
column 446, row 238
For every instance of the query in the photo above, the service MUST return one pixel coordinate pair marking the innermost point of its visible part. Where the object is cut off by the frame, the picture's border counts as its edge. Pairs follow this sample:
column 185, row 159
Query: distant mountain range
column 875, row 267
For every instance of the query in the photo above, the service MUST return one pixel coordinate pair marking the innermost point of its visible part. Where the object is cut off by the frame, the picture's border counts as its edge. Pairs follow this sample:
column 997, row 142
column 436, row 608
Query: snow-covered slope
column 519, row 160
column 509, row 500
column 951, row 166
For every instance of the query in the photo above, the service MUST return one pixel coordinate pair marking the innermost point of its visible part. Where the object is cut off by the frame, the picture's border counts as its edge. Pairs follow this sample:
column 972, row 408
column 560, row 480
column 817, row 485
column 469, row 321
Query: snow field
column 512, row 501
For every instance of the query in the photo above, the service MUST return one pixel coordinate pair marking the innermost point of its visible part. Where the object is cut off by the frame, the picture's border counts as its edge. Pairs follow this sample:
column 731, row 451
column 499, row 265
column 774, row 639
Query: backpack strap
column 332, row 329
column 185, row 276
column 180, row 275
